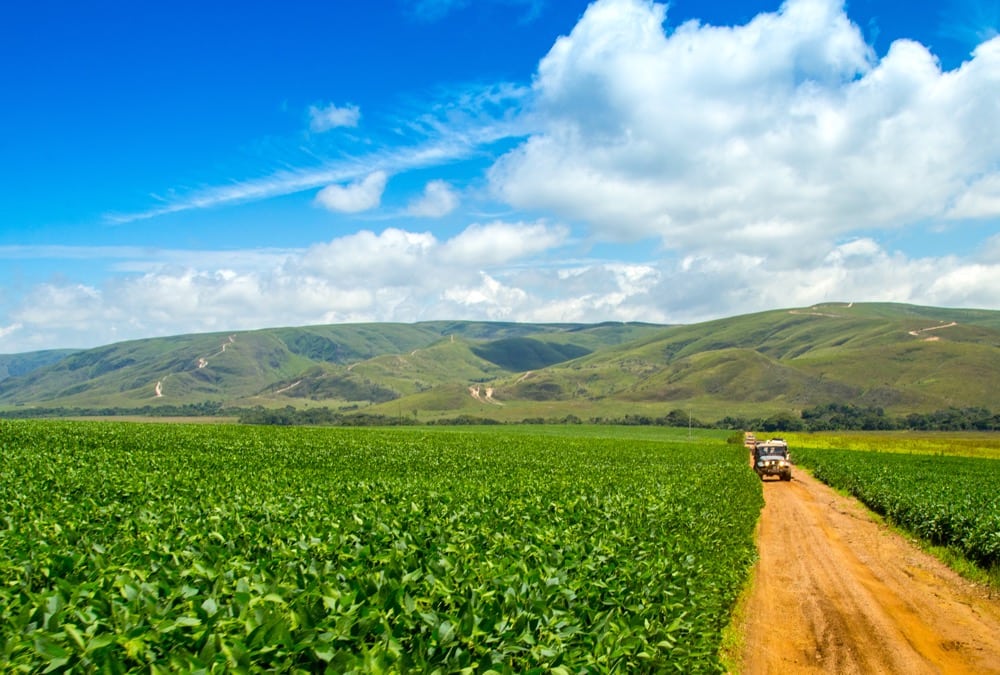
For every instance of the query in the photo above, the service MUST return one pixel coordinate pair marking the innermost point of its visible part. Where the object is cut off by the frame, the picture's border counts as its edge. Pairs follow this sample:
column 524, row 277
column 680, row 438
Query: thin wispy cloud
column 453, row 127
column 971, row 22
column 8, row 330
column 288, row 182
column 144, row 258
column 57, row 252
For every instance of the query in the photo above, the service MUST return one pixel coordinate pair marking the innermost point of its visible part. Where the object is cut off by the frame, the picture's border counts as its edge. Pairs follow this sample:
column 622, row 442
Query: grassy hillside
column 388, row 376
column 893, row 356
column 345, row 344
column 16, row 365
column 899, row 357
column 520, row 354
column 189, row 368
column 353, row 364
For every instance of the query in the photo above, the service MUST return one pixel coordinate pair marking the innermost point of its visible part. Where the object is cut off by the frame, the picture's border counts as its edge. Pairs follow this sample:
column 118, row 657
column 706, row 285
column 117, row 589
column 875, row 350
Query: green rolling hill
column 902, row 358
column 14, row 365
column 899, row 357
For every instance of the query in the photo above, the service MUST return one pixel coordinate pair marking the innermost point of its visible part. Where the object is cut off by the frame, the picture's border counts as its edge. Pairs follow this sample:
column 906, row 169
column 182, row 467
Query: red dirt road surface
column 837, row 592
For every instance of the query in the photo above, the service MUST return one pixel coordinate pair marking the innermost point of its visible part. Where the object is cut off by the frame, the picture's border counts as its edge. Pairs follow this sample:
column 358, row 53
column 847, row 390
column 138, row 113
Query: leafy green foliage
column 949, row 501
column 158, row 548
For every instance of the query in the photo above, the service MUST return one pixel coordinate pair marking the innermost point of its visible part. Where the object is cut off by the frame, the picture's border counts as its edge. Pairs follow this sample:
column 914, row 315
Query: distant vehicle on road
column 771, row 458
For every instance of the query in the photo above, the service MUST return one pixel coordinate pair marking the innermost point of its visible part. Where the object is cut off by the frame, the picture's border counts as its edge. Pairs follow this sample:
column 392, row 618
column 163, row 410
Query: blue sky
column 187, row 167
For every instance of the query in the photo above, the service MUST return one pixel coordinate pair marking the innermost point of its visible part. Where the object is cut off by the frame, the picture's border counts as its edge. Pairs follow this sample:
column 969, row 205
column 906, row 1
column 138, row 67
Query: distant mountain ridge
column 899, row 357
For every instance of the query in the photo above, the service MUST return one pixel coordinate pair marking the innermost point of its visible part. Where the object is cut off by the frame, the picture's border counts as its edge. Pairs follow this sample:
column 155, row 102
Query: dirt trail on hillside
column 836, row 592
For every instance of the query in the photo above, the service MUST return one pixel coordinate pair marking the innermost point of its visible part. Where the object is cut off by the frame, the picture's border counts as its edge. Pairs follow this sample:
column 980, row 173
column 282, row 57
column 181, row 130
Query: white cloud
column 718, row 285
column 330, row 117
column 62, row 306
column 392, row 258
column 358, row 196
column 498, row 243
column 976, row 285
column 496, row 271
column 775, row 133
column 439, row 199
column 393, row 275
column 489, row 299
column 980, row 200
column 597, row 291
column 857, row 252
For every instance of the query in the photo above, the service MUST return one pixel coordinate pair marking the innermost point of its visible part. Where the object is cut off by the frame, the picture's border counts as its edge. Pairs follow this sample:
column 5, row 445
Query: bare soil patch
column 838, row 592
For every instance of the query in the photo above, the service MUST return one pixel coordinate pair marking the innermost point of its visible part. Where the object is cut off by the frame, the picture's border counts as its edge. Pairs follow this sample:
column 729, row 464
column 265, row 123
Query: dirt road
column 836, row 592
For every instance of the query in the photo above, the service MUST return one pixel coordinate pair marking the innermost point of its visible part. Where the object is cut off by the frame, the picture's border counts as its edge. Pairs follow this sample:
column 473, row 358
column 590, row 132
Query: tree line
column 850, row 417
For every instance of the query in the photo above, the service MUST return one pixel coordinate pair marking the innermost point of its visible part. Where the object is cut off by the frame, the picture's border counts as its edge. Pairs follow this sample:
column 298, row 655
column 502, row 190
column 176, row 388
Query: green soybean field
column 215, row 549
column 947, row 500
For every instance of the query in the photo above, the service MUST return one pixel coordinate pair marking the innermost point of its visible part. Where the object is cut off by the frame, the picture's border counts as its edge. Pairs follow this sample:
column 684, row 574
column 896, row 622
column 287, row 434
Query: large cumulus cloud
column 783, row 131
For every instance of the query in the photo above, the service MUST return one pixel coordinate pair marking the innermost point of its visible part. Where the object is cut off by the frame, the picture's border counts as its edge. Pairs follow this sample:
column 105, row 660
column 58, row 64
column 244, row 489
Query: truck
column 771, row 458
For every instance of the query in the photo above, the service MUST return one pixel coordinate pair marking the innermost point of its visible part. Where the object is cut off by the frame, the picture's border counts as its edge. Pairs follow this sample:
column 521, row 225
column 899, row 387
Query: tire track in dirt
column 837, row 592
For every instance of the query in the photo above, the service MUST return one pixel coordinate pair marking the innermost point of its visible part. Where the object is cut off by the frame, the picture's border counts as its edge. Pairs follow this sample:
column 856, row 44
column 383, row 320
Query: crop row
column 948, row 501
column 230, row 549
